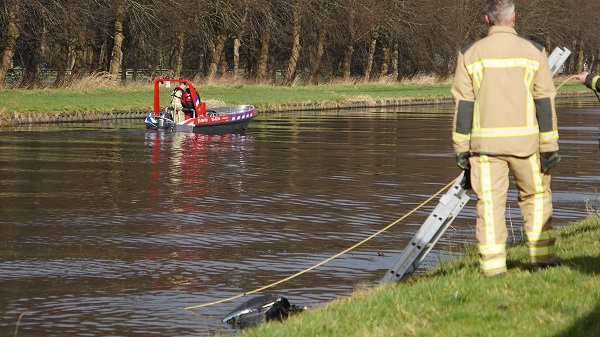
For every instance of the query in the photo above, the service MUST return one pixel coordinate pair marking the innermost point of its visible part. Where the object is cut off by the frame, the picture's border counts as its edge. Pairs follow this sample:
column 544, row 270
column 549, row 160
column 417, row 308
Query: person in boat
column 177, row 95
column 186, row 102
column 502, row 124
column 590, row 80
column 181, row 99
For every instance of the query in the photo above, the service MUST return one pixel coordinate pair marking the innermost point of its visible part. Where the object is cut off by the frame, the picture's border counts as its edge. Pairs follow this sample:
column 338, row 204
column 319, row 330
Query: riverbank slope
column 457, row 300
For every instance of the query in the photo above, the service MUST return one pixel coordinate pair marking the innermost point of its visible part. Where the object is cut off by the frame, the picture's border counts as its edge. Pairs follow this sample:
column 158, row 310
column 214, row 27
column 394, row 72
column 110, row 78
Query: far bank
column 135, row 101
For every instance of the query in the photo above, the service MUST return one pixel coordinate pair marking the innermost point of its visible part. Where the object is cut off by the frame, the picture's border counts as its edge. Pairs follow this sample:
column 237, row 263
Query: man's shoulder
column 483, row 41
column 535, row 44
column 464, row 49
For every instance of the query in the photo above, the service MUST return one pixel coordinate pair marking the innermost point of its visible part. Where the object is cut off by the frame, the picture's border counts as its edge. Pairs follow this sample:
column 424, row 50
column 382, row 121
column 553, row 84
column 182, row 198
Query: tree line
column 281, row 42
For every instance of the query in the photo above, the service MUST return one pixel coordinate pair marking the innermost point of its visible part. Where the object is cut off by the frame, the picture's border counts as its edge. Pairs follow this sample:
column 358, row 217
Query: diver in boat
column 590, row 80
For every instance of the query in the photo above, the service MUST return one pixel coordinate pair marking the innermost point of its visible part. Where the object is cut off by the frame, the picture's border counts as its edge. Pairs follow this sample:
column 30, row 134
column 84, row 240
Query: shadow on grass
column 588, row 326
column 589, row 265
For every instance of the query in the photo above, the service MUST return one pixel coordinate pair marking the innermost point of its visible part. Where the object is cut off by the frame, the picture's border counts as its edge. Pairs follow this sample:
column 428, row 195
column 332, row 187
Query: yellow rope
column 327, row 260
column 567, row 80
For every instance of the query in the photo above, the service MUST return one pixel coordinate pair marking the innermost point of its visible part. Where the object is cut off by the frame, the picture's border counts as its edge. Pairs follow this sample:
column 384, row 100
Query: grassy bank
column 456, row 300
column 17, row 104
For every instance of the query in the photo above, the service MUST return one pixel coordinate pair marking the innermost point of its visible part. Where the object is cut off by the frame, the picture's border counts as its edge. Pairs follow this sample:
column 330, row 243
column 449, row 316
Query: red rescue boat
column 188, row 113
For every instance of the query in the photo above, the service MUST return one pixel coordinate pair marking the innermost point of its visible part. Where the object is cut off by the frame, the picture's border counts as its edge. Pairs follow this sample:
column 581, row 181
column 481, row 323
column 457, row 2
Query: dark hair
column 499, row 10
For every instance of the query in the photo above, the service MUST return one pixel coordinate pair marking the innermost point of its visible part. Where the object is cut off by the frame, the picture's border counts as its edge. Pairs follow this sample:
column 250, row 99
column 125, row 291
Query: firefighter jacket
column 504, row 97
column 591, row 81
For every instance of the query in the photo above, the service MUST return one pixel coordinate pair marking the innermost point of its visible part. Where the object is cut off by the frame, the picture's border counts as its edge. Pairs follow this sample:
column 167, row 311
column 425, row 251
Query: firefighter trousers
column 490, row 181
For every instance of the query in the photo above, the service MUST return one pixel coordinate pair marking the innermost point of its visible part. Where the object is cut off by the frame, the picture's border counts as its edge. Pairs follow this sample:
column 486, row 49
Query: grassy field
column 139, row 98
column 457, row 300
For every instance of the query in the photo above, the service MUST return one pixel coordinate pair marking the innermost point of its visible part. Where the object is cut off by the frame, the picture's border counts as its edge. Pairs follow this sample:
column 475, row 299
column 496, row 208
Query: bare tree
column 274, row 41
column 290, row 72
column 12, row 11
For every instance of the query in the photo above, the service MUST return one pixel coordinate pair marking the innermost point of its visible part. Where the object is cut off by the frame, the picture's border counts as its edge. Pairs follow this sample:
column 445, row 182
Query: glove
column 466, row 180
column 462, row 161
column 549, row 160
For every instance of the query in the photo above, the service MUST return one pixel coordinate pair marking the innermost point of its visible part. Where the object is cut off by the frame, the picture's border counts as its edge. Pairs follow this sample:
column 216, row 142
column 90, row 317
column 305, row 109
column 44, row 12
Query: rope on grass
column 326, row 260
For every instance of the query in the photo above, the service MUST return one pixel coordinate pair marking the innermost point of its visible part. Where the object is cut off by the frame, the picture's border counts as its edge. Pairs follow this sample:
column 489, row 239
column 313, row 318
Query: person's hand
column 549, row 160
column 581, row 77
column 462, row 161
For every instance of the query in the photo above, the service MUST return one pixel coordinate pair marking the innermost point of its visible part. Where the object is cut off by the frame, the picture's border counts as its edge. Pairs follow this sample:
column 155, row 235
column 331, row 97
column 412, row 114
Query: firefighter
column 505, row 120
column 590, row 80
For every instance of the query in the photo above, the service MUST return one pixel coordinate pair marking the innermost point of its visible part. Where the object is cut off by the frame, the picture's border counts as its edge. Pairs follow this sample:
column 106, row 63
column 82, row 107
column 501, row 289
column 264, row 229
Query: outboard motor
column 164, row 120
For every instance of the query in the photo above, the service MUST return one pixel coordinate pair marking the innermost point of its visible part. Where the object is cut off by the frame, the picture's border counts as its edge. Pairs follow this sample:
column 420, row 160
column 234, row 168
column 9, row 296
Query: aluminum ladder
column 430, row 232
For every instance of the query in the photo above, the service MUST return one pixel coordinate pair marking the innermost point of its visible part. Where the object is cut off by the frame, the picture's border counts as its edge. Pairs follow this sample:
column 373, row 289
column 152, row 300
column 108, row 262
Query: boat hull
column 219, row 120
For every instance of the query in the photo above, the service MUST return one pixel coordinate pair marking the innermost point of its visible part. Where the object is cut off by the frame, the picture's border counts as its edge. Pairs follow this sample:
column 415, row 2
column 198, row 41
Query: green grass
column 457, row 300
column 265, row 98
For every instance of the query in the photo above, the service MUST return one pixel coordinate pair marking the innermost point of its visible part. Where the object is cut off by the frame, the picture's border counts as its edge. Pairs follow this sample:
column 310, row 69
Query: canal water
column 108, row 229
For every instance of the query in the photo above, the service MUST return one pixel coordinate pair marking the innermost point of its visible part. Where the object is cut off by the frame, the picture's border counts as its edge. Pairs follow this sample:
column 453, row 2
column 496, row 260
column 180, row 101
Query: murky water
column 111, row 230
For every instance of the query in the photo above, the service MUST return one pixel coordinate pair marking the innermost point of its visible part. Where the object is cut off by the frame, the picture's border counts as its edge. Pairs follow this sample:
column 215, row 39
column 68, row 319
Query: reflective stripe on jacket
column 591, row 81
column 504, row 97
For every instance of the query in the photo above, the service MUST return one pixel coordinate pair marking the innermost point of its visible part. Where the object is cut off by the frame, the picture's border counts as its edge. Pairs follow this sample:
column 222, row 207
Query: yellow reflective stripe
column 503, row 63
column 541, row 251
column 477, row 77
column 492, row 249
column 460, row 137
column 594, row 82
column 499, row 263
column 544, row 236
column 538, row 199
column 488, row 201
column 476, row 117
column 504, row 132
column 531, row 118
column 547, row 136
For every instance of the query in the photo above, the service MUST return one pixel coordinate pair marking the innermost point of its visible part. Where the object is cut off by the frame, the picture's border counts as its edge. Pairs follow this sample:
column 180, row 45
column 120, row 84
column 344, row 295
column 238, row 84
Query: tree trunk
column 124, row 72
column 102, row 60
column 371, row 57
column 37, row 50
column 261, row 72
column 290, row 72
column 317, row 57
column 236, row 57
column 347, row 59
column 13, row 31
column 179, row 54
column 117, row 50
column 214, row 63
column 596, row 64
column 134, row 72
column 223, row 64
column 395, row 53
column 580, row 59
column 385, row 58
column 62, row 64
column 79, row 52
column 349, row 50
